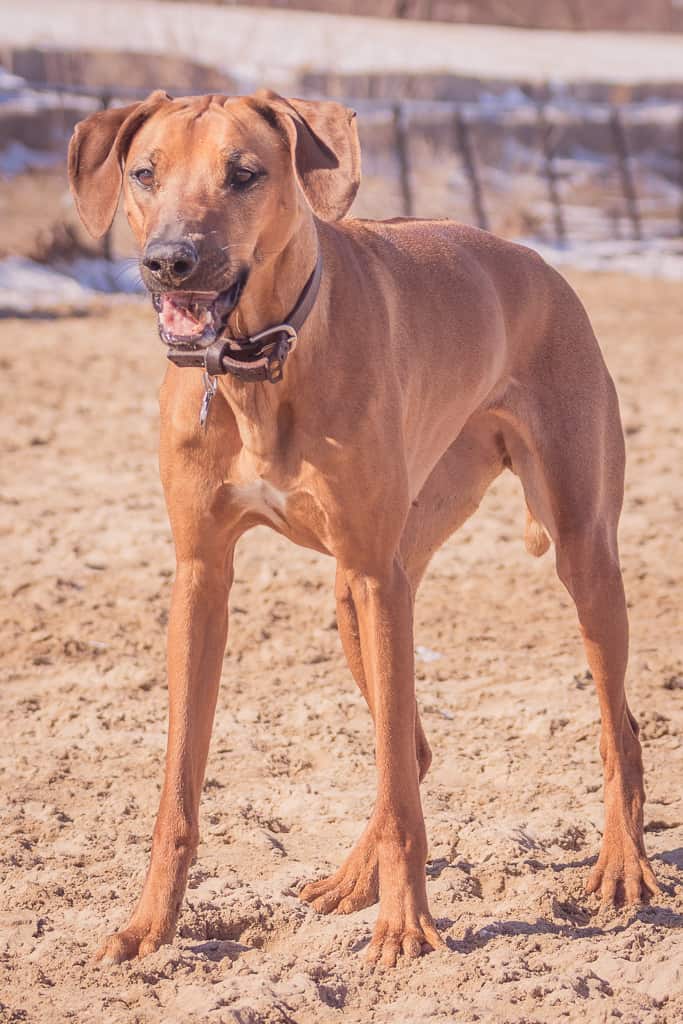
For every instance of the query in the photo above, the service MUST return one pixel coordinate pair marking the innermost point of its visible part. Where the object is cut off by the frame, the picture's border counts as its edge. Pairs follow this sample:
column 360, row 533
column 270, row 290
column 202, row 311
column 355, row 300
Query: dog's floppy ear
column 97, row 151
column 325, row 150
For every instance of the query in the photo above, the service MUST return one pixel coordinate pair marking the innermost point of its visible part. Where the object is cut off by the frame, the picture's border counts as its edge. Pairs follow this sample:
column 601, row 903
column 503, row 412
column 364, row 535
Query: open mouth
column 193, row 320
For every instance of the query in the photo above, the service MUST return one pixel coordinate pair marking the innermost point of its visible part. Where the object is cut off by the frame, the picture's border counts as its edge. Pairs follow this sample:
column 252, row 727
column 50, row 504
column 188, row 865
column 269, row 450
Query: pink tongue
column 177, row 320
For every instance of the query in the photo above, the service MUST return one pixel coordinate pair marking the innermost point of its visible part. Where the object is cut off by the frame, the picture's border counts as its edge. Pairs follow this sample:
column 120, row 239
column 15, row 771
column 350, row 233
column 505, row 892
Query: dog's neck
column 276, row 282
column 272, row 293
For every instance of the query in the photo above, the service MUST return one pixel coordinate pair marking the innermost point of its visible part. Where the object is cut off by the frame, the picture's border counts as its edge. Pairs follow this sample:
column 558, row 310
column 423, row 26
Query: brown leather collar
column 260, row 356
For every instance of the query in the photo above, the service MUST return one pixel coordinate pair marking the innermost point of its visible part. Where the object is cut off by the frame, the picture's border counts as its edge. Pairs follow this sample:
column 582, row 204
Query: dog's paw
column 128, row 944
column 622, row 873
column 340, row 894
column 412, row 938
column 353, row 887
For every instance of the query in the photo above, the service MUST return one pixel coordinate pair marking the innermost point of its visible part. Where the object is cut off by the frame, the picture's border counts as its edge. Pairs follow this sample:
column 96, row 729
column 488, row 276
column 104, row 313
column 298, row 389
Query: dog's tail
column 536, row 540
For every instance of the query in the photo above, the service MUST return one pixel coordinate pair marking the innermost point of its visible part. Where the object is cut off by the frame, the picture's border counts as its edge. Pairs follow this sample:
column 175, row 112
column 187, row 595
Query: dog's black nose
column 170, row 263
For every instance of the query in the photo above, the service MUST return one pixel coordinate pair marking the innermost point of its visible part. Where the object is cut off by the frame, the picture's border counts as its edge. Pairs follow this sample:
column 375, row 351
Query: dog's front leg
column 385, row 613
column 197, row 636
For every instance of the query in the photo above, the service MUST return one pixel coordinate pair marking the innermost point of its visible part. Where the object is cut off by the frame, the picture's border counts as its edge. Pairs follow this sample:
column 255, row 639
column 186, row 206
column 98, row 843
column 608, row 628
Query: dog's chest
column 294, row 508
column 261, row 498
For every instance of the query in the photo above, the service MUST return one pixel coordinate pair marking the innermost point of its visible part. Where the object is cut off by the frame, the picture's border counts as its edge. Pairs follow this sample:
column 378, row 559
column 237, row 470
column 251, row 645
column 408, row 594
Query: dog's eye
column 241, row 177
column 144, row 176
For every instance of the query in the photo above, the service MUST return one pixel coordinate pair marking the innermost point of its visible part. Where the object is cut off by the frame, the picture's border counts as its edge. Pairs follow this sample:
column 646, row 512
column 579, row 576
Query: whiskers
column 128, row 272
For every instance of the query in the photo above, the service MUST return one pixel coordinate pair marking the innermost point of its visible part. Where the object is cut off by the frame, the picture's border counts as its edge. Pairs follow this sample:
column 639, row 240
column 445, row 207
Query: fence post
column 401, row 137
column 627, row 183
column 546, row 131
column 680, row 177
column 462, row 135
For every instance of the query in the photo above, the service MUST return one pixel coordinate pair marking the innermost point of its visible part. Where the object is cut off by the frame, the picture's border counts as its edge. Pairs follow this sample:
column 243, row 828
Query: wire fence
column 461, row 121
column 464, row 121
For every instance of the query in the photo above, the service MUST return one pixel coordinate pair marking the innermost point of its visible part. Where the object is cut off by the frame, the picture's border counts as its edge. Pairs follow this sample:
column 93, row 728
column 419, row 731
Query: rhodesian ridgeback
column 356, row 385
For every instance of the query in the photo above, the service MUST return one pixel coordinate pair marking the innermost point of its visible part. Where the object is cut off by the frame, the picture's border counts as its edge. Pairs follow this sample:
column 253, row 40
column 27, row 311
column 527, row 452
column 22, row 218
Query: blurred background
column 559, row 123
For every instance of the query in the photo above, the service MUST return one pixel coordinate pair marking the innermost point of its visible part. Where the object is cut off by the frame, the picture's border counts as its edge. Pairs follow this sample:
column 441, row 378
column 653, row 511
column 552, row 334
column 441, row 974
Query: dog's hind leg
column 347, row 621
column 450, row 495
column 356, row 884
column 588, row 565
column 567, row 447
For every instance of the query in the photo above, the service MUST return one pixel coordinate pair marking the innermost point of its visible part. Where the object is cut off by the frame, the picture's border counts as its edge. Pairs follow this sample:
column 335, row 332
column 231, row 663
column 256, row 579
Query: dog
column 355, row 385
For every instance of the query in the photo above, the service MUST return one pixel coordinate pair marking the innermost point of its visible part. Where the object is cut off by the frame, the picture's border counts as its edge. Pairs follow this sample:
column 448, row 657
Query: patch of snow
column 658, row 258
column 28, row 287
column 9, row 81
column 29, row 101
column 17, row 97
column 108, row 276
column 17, row 158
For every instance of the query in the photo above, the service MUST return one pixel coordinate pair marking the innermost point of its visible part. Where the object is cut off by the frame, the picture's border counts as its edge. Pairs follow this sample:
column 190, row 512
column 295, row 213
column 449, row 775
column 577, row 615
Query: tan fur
column 536, row 540
column 435, row 357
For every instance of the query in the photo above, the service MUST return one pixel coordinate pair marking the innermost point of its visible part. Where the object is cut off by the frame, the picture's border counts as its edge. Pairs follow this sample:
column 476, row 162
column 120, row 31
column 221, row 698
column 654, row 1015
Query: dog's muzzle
column 194, row 327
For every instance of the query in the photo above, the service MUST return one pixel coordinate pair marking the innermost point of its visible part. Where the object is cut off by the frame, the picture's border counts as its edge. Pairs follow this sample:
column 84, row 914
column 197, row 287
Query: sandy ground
column 513, row 800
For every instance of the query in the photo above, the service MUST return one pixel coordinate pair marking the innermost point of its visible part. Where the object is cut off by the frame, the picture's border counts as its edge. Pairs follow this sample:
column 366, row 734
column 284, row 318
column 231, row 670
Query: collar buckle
column 286, row 329
column 286, row 339
column 266, row 359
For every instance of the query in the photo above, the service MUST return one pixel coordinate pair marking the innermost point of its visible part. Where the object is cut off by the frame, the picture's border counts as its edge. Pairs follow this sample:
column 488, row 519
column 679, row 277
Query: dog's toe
column 353, row 887
column 411, row 940
column 127, row 945
column 622, row 875
column 312, row 891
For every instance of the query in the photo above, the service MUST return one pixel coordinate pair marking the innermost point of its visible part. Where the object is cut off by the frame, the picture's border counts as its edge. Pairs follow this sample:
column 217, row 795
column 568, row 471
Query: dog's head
column 213, row 187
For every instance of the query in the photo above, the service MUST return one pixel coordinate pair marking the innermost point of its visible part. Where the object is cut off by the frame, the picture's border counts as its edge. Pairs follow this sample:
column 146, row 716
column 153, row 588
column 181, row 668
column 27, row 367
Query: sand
column 513, row 799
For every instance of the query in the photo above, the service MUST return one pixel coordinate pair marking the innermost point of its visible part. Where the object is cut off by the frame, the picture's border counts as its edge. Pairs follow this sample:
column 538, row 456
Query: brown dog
column 430, row 357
